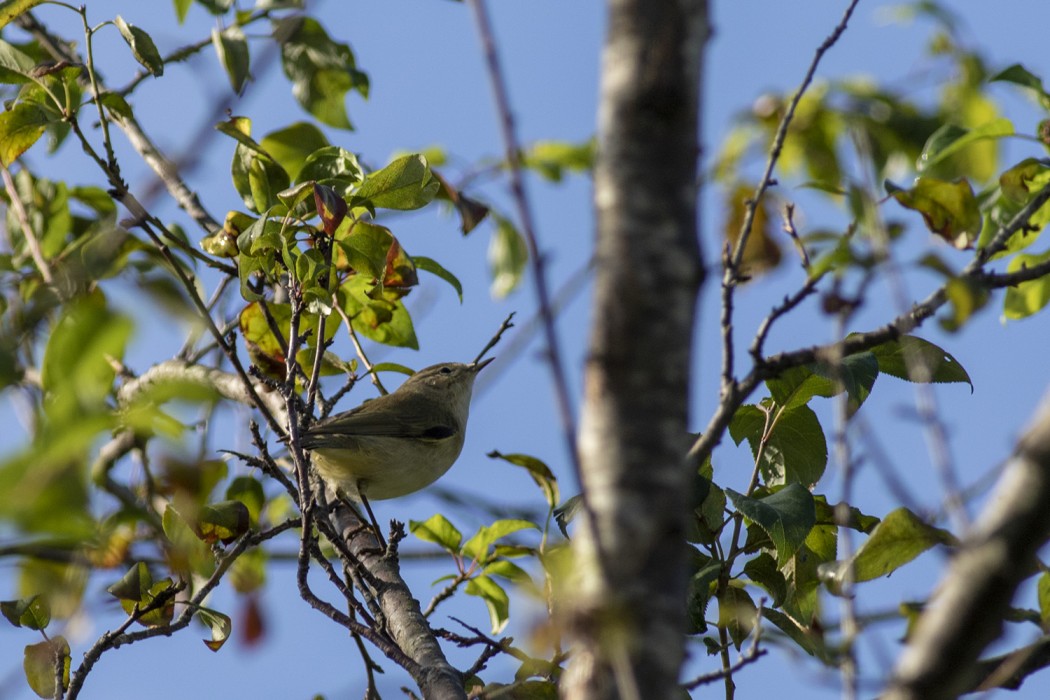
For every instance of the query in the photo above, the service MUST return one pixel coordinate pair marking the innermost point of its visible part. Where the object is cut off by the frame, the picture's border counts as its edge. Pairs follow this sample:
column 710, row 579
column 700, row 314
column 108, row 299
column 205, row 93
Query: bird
column 399, row 443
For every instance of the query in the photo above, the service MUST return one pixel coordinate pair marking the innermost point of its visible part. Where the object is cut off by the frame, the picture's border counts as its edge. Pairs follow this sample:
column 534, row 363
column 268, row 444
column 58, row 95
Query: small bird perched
column 396, row 444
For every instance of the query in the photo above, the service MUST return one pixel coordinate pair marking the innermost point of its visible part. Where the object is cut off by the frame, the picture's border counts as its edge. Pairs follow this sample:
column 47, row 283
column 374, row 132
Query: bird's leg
column 371, row 516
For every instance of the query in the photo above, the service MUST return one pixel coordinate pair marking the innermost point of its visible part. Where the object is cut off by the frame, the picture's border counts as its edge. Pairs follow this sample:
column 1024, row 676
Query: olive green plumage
column 396, row 444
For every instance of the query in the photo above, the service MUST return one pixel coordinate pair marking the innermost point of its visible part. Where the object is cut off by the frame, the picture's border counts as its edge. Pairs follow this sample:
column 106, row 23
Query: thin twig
column 503, row 328
column 858, row 342
column 360, row 350
column 27, row 228
column 733, row 257
column 536, row 259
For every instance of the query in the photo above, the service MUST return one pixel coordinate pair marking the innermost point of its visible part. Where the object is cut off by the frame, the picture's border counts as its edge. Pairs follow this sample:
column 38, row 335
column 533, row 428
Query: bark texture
column 629, row 613
column 967, row 612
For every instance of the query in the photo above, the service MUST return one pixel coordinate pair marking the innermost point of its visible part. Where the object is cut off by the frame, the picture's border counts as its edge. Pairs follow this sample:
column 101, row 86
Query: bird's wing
column 408, row 418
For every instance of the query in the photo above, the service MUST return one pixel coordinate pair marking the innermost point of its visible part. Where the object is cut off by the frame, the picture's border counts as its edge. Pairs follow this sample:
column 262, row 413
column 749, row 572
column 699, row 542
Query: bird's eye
column 446, row 370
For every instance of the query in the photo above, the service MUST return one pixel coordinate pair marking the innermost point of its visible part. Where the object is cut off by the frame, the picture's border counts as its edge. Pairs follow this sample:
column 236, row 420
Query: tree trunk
column 629, row 616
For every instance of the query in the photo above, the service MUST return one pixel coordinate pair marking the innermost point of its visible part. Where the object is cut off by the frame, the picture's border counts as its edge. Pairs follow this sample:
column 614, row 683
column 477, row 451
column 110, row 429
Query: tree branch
column 967, row 611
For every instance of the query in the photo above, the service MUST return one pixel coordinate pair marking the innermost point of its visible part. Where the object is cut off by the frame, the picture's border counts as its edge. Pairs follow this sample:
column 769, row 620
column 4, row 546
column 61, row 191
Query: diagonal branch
column 967, row 611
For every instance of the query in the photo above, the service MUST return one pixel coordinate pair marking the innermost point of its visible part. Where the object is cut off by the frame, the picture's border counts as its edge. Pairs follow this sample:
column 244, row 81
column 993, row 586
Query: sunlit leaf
column 487, row 535
column 949, row 208
column 438, row 530
column 406, row 183
column 540, row 473
column 292, row 145
column 219, row 624
column 1027, row 298
column 232, row 48
column 40, row 664
column 552, row 159
column 898, row 539
column 334, row 166
column 142, row 47
column 20, row 127
column 496, row 600
column 508, row 255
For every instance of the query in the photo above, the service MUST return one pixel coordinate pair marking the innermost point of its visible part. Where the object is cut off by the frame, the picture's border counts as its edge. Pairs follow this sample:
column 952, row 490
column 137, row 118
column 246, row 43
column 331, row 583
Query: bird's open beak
column 478, row 366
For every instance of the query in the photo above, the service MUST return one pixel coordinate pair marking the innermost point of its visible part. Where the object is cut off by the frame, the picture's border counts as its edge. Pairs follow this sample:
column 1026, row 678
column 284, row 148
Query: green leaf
column 40, row 662
column 1027, row 298
column 15, row 65
column 32, row 613
column 381, row 320
column 787, row 516
column 366, row 246
column 334, row 166
column 796, row 386
column 950, row 139
column 552, row 159
column 763, row 570
column 856, row 374
column 219, row 624
column 182, row 7
column 1043, row 593
column 807, row 639
column 477, row 547
column 77, row 373
column 496, row 600
column 855, row 519
column 708, row 516
column 232, row 48
column 949, row 209
column 898, row 539
column 439, row 530
column 434, row 267
column 138, row 593
column 20, row 127
column 916, row 360
column 794, row 450
column 1019, row 75
column 10, row 9
column 737, row 613
column 507, row 570
column 538, row 470
column 508, row 254
column 322, row 71
column 698, row 595
column 406, row 183
column 1016, row 182
column 292, row 145
column 222, row 522
column 142, row 47
column 249, row 491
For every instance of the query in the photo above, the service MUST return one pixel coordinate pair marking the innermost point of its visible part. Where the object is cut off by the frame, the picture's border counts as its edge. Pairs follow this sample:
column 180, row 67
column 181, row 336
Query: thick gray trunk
column 633, row 436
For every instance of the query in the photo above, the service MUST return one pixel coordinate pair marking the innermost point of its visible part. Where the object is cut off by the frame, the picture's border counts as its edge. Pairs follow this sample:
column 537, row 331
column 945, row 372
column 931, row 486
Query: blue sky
column 428, row 87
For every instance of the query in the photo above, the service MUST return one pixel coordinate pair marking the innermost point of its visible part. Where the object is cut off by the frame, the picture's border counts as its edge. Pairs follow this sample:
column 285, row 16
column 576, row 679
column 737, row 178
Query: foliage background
column 428, row 87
